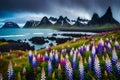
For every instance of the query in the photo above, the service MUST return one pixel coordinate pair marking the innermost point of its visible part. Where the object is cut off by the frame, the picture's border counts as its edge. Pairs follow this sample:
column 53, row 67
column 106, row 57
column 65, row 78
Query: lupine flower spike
column 34, row 62
column 118, row 67
column 43, row 77
column 74, row 61
column 68, row 69
column 81, row 69
column 114, row 56
column 30, row 56
column 97, row 68
column 49, row 67
column 89, row 63
column 108, row 64
column 10, row 71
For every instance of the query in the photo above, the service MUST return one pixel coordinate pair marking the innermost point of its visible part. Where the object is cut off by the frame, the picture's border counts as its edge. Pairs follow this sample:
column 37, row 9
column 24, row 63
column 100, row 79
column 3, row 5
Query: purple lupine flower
column 100, row 46
column 117, row 45
column 114, row 56
column 46, row 57
column 34, row 62
column 49, row 67
column 43, row 77
column 93, row 53
column 30, row 56
column 97, row 68
column 74, row 61
column 56, row 58
column 118, row 67
column 10, row 71
column 109, row 46
column 108, row 64
column 68, row 48
column 107, row 40
column 51, row 56
column 63, row 50
column 89, row 63
column 68, row 70
column 81, row 69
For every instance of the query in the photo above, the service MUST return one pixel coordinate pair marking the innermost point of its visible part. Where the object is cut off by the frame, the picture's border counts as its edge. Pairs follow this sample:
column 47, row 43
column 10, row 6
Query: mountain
column 31, row 23
column 53, row 19
column 95, row 19
column 45, row 22
column 80, row 22
column 10, row 25
column 107, row 18
column 63, row 21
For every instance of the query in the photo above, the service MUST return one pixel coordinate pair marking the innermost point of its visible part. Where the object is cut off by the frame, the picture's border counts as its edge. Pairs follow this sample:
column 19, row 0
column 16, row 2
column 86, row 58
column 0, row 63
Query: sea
column 25, row 34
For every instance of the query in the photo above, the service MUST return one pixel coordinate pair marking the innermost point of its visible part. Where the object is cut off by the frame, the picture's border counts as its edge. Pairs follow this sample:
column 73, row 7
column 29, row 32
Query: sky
column 20, row 11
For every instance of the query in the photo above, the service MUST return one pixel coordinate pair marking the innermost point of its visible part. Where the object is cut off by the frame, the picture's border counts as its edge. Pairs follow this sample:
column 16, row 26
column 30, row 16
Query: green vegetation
column 19, row 62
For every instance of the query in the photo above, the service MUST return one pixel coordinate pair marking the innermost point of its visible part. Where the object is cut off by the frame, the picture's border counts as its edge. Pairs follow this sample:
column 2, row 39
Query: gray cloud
column 59, row 7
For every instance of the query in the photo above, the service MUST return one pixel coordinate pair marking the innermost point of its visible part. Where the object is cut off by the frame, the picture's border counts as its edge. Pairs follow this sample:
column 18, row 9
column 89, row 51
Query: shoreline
column 87, row 30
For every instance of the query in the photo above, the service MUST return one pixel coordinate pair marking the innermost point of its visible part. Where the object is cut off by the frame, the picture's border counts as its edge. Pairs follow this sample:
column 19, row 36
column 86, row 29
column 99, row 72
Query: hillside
column 37, row 69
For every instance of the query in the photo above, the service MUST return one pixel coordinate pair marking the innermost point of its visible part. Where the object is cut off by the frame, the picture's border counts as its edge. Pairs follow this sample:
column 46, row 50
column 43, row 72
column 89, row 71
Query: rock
column 78, row 22
column 10, row 25
column 38, row 40
column 15, row 46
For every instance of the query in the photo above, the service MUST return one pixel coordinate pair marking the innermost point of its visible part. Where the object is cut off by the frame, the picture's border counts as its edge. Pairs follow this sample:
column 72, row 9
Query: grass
column 22, row 61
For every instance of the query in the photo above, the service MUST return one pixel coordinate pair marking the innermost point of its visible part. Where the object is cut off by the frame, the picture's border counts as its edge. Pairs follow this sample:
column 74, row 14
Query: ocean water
column 25, row 34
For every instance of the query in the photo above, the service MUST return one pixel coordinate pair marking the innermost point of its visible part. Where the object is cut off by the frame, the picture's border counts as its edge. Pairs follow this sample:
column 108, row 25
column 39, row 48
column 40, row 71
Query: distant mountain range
column 107, row 18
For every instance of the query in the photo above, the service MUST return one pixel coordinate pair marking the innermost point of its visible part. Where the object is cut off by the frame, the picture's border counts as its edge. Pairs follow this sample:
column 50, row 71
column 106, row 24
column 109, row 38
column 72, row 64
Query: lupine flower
column 114, row 56
column 81, row 69
column 43, row 77
column 51, row 56
column 62, row 60
column 71, row 53
column 87, row 48
column 68, row 69
column 89, row 63
column 56, row 58
column 10, row 71
column 30, row 56
column 118, row 67
column 59, row 68
column 38, row 58
column 79, row 55
column 34, row 62
column 63, row 50
column 66, row 56
column 109, row 46
column 93, row 53
column 74, row 61
column 100, row 47
column 68, row 48
column 107, row 40
column 108, row 64
column 97, row 68
column 24, row 71
column 46, row 56
column 49, row 67
column 117, row 45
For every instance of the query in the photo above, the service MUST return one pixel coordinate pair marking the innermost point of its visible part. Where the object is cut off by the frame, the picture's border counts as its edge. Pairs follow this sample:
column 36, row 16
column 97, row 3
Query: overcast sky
column 22, row 10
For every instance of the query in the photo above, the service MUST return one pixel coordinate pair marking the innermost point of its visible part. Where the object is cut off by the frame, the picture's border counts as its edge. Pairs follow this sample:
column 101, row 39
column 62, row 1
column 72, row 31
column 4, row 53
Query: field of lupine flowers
column 85, row 58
